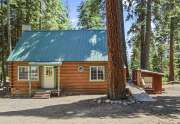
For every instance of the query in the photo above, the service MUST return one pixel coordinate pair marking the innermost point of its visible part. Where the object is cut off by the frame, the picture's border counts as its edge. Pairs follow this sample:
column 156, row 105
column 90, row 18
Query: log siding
column 72, row 81
column 75, row 82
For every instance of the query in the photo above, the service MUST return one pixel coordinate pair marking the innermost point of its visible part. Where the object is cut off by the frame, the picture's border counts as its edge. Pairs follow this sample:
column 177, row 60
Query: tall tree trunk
column 117, row 78
column 28, row 11
column 3, row 69
column 9, row 25
column 123, row 37
column 145, row 46
column 142, row 32
column 171, row 57
column 3, row 49
column 1, row 41
column 40, row 19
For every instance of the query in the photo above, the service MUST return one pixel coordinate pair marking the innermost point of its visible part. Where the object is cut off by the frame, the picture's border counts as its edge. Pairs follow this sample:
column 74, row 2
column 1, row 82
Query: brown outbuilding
column 151, row 81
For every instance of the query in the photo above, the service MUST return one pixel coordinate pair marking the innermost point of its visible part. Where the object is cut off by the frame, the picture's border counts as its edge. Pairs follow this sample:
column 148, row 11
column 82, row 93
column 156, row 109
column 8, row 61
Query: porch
column 49, row 79
column 45, row 93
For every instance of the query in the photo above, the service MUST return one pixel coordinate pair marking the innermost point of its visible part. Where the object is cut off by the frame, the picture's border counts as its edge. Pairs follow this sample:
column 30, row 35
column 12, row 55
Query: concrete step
column 41, row 92
column 42, row 95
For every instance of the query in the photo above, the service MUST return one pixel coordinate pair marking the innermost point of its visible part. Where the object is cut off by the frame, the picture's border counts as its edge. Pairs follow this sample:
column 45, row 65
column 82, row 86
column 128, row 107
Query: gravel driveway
column 84, row 110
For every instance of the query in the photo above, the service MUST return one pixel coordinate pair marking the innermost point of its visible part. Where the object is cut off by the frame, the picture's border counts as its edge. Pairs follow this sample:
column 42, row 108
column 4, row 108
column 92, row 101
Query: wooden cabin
column 70, row 61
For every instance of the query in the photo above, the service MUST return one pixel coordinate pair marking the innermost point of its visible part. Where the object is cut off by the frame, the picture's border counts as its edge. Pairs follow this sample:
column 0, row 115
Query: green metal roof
column 65, row 45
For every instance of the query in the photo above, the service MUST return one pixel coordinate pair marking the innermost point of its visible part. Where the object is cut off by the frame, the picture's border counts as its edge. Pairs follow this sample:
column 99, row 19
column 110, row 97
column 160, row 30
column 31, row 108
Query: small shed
column 151, row 81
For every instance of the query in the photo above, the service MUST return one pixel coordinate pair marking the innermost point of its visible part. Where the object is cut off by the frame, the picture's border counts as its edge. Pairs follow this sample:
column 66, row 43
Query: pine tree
column 177, row 60
column 162, row 11
column 145, row 46
column 90, row 14
column 55, row 18
column 170, row 12
column 3, row 42
column 135, row 55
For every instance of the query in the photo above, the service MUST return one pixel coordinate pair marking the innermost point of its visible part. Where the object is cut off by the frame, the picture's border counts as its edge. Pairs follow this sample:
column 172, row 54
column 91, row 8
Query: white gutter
column 45, row 63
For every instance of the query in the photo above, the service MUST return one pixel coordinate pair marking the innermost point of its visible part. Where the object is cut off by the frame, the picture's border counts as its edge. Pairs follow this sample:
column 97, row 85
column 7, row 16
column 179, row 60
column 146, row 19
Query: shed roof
column 64, row 45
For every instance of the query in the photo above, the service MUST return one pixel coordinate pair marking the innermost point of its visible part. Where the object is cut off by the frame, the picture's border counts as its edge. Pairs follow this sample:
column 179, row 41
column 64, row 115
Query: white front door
column 49, row 80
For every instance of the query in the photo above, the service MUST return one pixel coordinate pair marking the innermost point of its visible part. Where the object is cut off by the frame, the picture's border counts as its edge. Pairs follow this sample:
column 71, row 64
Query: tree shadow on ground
column 166, row 106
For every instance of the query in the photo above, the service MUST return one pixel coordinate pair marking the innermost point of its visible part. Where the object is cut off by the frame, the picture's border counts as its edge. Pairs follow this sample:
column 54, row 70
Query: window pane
column 93, row 73
column 100, row 73
column 23, row 73
column 49, row 71
column 34, row 73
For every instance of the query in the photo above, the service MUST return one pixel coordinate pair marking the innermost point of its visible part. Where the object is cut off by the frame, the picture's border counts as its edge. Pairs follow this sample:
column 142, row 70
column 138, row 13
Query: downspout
column 58, row 86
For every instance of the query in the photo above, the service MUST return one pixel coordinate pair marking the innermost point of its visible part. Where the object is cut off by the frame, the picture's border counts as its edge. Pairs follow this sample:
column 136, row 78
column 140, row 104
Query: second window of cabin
column 97, row 73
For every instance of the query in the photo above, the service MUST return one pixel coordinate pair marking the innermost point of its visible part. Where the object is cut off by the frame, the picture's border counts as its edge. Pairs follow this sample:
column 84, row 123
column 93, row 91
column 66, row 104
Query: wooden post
column 136, row 77
column 58, row 69
column 30, row 86
column 157, row 84
column 139, row 78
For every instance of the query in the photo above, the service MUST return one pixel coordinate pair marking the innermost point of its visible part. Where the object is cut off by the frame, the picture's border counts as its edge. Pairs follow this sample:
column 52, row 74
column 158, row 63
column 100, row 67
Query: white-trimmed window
column 97, row 73
column 34, row 73
column 23, row 72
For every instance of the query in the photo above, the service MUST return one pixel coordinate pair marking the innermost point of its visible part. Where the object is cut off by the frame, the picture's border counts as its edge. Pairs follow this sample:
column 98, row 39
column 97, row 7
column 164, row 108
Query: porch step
column 42, row 95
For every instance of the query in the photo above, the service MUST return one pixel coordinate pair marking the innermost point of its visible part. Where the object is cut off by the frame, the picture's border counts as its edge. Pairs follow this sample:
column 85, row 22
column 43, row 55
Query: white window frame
column 28, row 67
column 97, row 73
column 19, row 72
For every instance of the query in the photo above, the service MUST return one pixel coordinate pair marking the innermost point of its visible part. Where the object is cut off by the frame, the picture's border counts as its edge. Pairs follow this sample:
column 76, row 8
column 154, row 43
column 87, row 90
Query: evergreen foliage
column 162, row 11
column 39, row 14
column 90, row 14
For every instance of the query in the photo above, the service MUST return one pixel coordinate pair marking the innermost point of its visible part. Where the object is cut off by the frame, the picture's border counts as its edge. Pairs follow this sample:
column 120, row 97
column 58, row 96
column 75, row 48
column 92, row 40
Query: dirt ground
column 84, row 110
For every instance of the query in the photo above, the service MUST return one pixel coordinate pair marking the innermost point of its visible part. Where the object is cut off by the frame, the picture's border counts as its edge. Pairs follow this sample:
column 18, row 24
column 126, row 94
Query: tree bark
column 3, row 69
column 145, row 45
column 117, row 78
column 171, row 57
column 9, row 25
column 3, row 49
column 142, row 32
column 123, row 37
column 28, row 11
column 40, row 19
